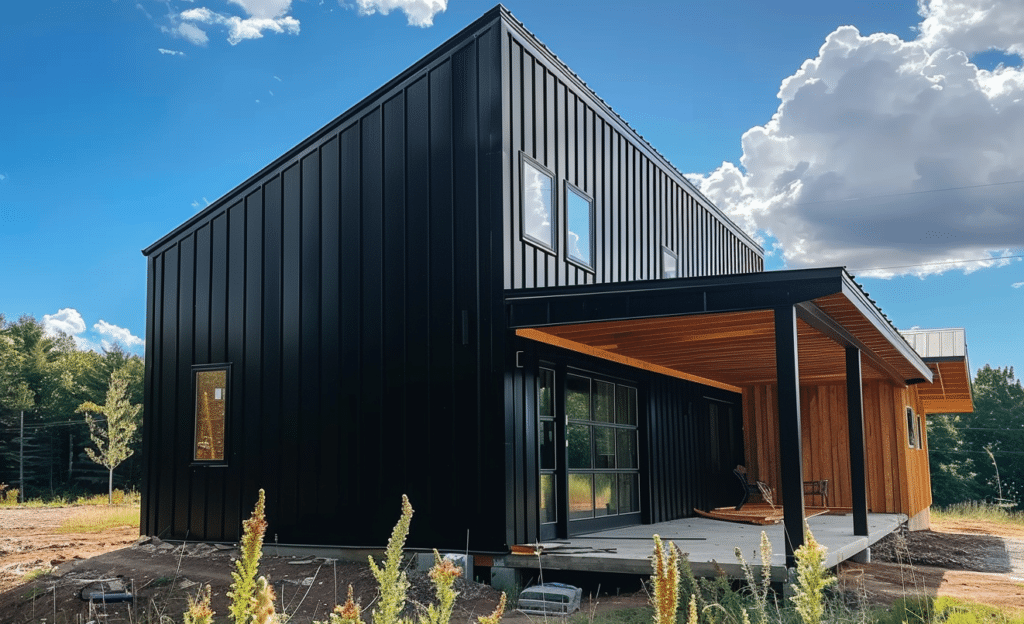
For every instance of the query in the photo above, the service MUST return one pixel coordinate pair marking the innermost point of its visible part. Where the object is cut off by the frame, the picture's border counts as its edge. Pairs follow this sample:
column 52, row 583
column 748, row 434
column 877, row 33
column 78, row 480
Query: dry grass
column 978, row 510
column 94, row 519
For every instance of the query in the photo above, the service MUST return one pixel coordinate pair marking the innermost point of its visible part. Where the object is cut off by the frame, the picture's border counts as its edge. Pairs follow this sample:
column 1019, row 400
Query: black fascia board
column 567, row 305
column 856, row 295
column 446, row 48
column 945, row 358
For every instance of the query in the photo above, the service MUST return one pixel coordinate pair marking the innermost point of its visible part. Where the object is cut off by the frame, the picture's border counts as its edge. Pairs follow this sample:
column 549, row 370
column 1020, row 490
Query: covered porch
column 709, row 545
column 772, row 333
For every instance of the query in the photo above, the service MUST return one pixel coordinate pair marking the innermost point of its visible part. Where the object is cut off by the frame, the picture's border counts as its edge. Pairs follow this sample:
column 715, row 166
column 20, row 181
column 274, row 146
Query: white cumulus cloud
column 419, row 12
column 170, row 52
column 104, row 335
column 886, row 152
column 113, row 334
column 973, row 25
column 66, row 320
column 1017, row 284
column 264, row 15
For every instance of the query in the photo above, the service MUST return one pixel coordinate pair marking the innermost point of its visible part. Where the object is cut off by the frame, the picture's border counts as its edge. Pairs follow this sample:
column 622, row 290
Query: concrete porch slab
column 709, row 545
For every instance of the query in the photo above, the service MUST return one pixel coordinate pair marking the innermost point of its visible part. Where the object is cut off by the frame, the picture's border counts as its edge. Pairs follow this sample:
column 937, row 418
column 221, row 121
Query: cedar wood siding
column 898, row 480
column 353, row 287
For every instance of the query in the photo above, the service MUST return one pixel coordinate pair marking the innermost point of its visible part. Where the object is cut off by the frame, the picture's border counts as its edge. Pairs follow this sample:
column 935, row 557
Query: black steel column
column 855, row 415
column 787, row 366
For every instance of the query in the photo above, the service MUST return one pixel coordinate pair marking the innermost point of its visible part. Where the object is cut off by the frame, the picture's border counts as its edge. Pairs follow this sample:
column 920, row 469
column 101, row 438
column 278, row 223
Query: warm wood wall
column 897, row 476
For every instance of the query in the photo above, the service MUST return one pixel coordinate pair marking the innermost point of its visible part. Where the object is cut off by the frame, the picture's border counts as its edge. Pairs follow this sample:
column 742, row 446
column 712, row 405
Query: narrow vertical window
column 669, row 264
column 211, row 398
column 911, row 428
column 579, row 235
column 538, row 205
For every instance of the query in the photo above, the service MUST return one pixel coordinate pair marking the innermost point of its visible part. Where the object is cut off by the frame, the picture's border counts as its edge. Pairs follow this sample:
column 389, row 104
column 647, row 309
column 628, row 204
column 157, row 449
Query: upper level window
column 669, row 263
column 538, row 204
column 579, row 244
column 211, row 399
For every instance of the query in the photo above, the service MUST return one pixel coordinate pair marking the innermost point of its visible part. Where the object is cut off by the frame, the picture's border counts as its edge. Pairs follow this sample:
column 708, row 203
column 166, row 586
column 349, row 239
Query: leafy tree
column 112, row 440
column 997, row 424
column 959, row 444
column 952, row 468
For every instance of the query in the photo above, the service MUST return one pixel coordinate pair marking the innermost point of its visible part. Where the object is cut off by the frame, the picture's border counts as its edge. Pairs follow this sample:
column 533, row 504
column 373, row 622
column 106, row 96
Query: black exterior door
column 725, row 451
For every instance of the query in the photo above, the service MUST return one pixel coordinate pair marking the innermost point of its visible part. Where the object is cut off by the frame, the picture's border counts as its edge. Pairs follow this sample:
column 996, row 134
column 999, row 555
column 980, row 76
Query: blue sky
column 898, row 144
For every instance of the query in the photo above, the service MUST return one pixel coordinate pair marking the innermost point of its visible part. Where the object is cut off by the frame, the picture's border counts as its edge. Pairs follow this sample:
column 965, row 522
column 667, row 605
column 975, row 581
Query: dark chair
column 817, row 488
column 749, row 487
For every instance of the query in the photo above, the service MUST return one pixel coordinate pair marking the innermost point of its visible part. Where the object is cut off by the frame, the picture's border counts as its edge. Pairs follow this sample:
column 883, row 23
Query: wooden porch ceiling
column 732, row 349
column 721, row 330
column 950, row 392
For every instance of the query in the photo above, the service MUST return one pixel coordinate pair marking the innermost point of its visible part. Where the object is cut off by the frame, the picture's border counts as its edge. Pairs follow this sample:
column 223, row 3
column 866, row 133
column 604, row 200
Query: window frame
column 592, row 424
column 592, row 217
column 552, row 248
column 667, row 251
column 206, row 368
column 913, row 437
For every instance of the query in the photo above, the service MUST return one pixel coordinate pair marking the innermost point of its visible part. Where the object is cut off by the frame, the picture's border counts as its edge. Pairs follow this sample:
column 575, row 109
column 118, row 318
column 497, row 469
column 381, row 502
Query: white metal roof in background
column 937, row 343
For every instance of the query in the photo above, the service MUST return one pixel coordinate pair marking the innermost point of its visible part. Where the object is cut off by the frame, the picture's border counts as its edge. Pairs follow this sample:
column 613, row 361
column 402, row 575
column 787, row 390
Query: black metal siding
column 641, row 201
column 352, row 287
column 673, row 437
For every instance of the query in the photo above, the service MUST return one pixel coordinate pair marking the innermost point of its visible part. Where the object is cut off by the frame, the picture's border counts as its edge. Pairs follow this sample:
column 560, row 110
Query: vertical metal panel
column 271, row 370
column 235, row 343
column 394, row 276
column 350, row 317
column 218, row 288
column 187, row 305
column 168, row 426
column 371, row 356
column 442, row 264
column 467, row 270
column 639, row 203
column 329, row 368
column 251, row 374
column 292, row 418
column 149, row 468
column 309, row 467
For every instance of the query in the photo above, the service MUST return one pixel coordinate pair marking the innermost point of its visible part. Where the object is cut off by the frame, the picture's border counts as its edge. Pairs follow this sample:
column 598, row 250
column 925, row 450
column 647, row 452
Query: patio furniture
column 749, row 487
column 817, row 487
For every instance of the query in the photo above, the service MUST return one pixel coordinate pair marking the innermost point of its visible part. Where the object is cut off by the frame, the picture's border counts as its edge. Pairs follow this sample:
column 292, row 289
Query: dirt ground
column 977, row 561
column 971, row 560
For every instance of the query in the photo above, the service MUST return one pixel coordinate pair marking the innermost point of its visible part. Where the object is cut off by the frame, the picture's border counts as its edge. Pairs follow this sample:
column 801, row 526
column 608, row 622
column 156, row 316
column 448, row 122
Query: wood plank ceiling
column 730, row 349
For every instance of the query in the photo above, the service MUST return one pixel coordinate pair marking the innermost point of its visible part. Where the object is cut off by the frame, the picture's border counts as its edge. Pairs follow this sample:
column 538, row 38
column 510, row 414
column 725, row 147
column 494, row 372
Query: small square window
column 669, row 264
column 210, row 413
column 538, row 204
column 579, row 244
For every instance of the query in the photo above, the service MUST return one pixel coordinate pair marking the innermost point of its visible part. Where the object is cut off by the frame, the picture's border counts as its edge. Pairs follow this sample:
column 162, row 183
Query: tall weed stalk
column 812, row 579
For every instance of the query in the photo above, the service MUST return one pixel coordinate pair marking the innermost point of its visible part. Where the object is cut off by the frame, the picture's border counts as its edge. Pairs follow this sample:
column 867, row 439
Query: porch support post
column 790, row 446
column 855, row 415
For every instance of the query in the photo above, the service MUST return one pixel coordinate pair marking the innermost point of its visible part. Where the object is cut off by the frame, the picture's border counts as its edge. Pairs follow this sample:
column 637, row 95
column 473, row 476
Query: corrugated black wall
column 354, row 288
column 642, row 203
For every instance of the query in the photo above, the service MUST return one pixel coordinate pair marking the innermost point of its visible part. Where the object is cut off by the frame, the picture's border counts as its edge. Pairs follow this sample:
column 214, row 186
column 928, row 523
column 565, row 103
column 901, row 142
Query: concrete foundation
column 922, row 521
